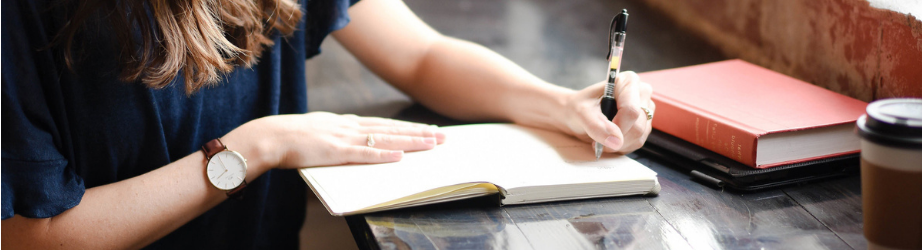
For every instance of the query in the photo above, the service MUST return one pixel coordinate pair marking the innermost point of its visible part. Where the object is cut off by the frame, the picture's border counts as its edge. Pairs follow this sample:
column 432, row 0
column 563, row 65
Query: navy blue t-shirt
column 65, row 131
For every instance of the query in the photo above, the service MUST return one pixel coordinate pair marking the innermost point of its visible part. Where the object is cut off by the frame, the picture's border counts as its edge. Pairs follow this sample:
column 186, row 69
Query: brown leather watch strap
column 237, row 193
column 213, row 147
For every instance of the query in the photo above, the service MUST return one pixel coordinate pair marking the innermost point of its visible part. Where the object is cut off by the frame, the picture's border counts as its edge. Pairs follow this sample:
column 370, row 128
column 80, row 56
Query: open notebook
column 523, row 165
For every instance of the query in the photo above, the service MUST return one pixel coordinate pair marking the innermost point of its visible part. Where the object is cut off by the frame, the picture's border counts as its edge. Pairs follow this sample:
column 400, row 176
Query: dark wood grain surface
column 564, row 42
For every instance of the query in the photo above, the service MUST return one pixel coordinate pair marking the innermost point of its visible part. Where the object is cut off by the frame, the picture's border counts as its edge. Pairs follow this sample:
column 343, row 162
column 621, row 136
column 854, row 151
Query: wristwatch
column 226, row 169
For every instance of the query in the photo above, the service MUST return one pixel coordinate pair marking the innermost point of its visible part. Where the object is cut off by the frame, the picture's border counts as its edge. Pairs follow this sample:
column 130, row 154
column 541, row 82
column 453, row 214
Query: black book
column 715, row 169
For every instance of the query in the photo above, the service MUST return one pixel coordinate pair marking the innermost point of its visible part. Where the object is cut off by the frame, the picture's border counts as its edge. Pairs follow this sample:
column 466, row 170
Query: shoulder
column 323, row 17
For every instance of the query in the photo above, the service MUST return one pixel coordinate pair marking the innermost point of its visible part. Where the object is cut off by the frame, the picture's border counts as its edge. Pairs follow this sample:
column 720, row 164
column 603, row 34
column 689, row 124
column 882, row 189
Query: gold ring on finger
column 649, row 114
column 370, row 141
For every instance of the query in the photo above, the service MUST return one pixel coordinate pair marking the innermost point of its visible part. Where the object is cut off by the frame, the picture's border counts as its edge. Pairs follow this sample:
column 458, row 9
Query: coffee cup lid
column 893, row 122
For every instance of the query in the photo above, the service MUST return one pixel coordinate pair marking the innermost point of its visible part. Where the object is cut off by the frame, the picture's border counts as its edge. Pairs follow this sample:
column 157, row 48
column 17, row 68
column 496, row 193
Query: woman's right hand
column 325, row 139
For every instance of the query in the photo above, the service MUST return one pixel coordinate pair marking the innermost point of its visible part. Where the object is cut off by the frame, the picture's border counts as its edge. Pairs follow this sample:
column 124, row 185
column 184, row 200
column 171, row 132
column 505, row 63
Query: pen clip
column 618, row 24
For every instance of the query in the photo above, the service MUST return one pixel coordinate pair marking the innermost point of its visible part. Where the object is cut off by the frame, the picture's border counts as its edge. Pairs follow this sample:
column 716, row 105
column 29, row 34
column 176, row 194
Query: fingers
column 390, row 134
column 632, row 94
column 399, row 142
column 590, row 124
column 599, row 128
column 388, row 142
column 627, row 90
column 327, row 139
column 634, row 126
column 640, row 131
column 646, row 91
column 594, row 91
column 630, row 127
column 363, row 154
column 415, row 131
column 396, row 127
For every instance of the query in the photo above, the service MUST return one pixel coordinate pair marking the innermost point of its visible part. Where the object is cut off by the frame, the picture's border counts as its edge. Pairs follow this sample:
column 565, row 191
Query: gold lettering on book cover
column 715, row 142
column 707, row 132
column 697, row 131
column 739, row 152
column 732, row 142
column 737, row 147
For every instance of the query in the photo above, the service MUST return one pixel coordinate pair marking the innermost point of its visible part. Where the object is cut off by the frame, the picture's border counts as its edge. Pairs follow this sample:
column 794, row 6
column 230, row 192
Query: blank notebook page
column 509, row 156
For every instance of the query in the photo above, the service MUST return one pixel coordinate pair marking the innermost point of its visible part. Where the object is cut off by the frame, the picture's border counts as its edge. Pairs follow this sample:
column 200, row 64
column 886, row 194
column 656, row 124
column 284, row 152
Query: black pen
column 616, row 35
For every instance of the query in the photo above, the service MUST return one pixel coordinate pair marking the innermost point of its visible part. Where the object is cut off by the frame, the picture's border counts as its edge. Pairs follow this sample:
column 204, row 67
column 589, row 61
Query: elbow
column 34, row 233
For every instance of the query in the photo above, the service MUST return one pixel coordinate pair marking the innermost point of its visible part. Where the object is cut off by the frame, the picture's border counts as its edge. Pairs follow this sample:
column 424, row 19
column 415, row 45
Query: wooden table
column 564, row 42
column 686, row 215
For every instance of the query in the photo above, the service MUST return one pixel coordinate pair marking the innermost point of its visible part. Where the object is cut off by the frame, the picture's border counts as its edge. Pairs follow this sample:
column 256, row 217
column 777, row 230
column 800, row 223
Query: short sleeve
column 324, row 17
column 37, row 179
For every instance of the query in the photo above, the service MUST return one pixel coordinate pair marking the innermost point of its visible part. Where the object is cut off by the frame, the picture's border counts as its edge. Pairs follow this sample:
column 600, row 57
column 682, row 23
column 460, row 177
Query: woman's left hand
column 630, row 127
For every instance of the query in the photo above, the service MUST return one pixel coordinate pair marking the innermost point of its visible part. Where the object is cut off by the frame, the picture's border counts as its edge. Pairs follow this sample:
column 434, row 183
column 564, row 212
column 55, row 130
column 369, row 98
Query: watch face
column 226, row 170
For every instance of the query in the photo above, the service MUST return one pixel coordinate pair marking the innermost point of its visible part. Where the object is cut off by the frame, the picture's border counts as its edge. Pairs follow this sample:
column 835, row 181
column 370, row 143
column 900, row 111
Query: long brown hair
column 203, row 38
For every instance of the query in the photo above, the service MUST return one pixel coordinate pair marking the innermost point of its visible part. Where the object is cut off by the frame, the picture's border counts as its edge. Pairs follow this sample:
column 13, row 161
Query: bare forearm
column 456, row 78
column 493, row 88
column 136, row 212
column 127, row 214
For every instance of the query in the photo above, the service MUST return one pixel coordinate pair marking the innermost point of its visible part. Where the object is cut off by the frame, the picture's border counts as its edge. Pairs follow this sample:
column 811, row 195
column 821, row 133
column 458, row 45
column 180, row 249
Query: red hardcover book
column 753, row 115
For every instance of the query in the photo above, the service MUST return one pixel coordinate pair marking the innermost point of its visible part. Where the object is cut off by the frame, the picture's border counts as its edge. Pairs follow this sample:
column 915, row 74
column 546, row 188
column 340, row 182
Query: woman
column 107, row 106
